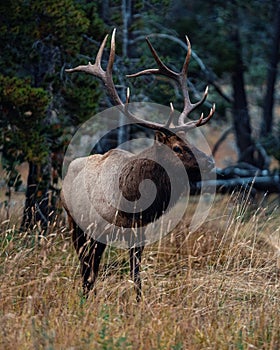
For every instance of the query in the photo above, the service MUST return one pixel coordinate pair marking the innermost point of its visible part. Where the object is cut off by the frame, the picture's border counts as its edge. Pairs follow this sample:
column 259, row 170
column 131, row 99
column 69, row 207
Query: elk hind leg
column 89, row 252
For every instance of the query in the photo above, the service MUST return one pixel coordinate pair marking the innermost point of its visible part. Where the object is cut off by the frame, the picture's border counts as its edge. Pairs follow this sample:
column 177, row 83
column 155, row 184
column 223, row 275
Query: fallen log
column 268, row 184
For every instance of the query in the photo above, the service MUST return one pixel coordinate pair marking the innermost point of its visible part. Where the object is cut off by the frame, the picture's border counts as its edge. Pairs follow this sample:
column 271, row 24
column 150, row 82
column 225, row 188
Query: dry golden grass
column 217, row 288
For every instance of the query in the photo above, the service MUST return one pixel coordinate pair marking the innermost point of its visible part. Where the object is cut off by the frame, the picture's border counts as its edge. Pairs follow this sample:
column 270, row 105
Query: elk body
column 91, row 181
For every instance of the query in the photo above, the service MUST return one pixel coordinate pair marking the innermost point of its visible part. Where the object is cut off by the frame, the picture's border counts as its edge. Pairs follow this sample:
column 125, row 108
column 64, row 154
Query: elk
column 124, row 171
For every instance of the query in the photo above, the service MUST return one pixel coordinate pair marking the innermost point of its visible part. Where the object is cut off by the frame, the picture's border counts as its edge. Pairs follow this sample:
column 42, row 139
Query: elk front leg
column 135, row 254
column 89, row 252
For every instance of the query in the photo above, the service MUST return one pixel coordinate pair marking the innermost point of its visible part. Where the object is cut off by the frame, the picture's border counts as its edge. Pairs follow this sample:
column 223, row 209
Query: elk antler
column 180, row 78
column 106, row 77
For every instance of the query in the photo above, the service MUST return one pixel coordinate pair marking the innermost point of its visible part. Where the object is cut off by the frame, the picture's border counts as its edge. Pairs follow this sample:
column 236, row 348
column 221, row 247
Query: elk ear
column 160, row 137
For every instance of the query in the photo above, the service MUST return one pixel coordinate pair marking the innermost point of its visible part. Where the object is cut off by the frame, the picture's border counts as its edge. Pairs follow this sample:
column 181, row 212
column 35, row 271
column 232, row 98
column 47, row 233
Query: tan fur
column 93, row 184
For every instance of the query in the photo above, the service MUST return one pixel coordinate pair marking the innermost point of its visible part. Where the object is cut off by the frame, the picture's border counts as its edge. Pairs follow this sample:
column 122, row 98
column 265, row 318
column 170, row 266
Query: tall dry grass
column 217, row 288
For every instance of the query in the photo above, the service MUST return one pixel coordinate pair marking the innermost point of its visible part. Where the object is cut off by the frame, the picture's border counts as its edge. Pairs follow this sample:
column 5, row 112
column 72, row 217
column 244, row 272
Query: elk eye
column 177, row 149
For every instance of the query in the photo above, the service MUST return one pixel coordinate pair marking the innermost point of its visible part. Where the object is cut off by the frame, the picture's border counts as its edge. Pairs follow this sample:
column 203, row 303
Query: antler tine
column 127, row 99
column 94, row 69
column 203, row 121
column 127, row 96
column 100, row 53
column 197, row 123
column 171, row 116
column 189, row 107
column 188, row 57
column 162, row 70
column 112, row 53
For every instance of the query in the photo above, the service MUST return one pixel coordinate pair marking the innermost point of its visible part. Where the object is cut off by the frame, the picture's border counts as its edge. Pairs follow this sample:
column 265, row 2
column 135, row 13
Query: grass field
column 217, row 288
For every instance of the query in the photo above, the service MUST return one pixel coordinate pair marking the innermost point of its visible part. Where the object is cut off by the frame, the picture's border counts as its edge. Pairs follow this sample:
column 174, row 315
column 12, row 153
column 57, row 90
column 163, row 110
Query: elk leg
column 84, row 251
column 98, row 251
column 135, row 262
column 89, row 252
column 90, row 258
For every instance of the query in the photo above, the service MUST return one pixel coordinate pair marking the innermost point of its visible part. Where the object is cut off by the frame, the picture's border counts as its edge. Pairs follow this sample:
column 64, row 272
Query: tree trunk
column 241, row 119
column 37, row 201
column 36, row 209
column 123, row 131
column 271, row 75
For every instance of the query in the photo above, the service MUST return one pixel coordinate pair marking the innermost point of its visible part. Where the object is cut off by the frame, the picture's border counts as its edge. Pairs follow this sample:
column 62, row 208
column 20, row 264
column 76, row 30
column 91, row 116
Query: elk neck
column 146, row 166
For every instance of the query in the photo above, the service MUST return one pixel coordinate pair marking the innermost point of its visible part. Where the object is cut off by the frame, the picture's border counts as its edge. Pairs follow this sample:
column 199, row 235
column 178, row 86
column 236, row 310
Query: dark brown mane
column 142, row 168
column 129, row 186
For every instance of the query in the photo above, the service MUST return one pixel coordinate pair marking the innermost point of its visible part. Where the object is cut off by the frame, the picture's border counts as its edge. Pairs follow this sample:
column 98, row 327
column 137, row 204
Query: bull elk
column 84, row 199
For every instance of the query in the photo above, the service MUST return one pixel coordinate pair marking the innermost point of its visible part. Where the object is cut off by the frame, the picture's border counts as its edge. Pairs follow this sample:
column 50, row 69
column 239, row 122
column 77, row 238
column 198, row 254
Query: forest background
column 235, row 52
